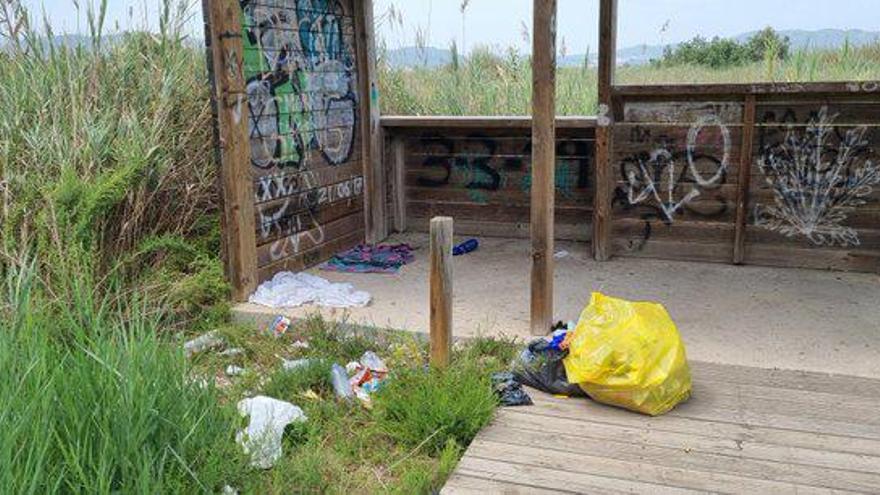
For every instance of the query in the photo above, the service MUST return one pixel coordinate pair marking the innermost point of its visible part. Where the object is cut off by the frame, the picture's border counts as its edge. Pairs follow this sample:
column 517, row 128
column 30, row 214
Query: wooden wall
column 477, row 170
column 302, row 102
column 810, row 188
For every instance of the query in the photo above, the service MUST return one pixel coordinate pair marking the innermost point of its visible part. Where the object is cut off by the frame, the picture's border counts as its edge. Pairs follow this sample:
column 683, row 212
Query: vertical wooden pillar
column 371, row 142
column 398, row 198
column 543, row 163
column 230, row 105
column 744, row 179
column 441, row 290
column 604, row 130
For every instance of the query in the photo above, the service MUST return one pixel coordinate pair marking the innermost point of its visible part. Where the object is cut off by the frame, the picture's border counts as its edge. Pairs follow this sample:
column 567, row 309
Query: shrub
column 723, row 52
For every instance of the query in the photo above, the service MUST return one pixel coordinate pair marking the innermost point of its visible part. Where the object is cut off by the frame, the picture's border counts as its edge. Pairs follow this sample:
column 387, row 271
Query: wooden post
column 744, row 179
column 543, row 163
column 371, row 143
column 441, row 290
column 398, row 193
column 230, row 105
column 604, row 130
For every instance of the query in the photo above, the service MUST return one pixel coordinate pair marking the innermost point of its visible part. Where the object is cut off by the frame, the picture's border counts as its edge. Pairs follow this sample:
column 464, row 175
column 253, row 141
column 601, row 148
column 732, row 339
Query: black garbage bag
column 540, row 366
column 509, row 390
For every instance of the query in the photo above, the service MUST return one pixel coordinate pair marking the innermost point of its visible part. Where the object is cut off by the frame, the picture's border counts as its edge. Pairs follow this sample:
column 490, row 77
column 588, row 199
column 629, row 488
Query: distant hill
column 641, row 54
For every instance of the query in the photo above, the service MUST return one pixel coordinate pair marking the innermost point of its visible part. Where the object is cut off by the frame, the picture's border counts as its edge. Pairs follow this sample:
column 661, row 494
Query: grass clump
column 95, row 402
column 428, row 409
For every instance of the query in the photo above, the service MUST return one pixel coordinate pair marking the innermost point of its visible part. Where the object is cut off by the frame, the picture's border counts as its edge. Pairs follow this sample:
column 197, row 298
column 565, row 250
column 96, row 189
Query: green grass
column 95, row 402
column 488, row 84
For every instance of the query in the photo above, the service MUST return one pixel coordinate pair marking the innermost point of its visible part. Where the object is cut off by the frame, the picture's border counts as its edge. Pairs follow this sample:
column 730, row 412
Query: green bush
column 723, row 52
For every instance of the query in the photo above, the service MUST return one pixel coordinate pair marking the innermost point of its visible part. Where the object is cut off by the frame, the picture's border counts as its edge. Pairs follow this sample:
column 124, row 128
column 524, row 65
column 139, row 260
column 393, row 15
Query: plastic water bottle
column 340, row 382
column 466, row 247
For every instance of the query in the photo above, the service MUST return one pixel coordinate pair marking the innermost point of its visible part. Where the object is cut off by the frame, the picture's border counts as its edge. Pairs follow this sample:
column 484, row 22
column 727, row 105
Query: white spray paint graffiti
column 658, row 177
column 816, row 181
column 310, row 86
column 300, row 68
column 604, row 115
column 693, row 139
column 643, row 187
column 297, row 227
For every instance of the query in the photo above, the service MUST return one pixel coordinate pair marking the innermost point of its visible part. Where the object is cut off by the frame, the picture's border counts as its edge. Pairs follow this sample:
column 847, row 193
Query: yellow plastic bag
column 628, row 354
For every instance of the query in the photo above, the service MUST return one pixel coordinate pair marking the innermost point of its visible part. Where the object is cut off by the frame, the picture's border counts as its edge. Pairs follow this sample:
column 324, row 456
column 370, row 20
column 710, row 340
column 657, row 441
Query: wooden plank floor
column 745, row 430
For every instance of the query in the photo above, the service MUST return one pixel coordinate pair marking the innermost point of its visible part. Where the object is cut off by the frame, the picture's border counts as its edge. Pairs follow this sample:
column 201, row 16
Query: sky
column 503, row 23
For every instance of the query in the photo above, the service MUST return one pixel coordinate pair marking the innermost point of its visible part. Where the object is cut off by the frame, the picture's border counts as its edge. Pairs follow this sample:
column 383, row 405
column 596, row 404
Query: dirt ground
column 745, row 315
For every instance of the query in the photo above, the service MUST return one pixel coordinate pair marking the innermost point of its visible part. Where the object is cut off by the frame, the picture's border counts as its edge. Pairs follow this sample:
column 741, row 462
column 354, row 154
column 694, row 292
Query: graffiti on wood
column 477, row 164
column 818, row 173
column 667, row 179
column 299, row 62
column 300, row 74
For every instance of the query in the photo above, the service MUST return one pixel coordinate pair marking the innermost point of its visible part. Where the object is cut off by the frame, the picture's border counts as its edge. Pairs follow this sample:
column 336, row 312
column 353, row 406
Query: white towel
column 287, row 289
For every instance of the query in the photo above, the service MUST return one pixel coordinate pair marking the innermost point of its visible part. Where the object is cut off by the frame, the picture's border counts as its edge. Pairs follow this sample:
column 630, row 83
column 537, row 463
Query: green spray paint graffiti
column 302, row 89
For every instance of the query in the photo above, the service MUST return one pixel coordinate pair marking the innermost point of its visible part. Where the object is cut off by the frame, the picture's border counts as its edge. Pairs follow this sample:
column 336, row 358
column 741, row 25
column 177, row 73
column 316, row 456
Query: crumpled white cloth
column 262, row 437
column 287, row 289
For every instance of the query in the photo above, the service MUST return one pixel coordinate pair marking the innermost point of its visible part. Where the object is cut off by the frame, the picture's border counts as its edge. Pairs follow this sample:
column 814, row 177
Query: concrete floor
column 743, row 315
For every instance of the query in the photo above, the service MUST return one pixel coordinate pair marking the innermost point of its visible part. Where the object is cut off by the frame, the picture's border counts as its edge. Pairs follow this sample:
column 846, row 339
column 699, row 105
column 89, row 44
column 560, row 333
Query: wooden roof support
column 744, row 180
column 372, row 149
column 604, row 130
column 230, row 108
column 543, row 163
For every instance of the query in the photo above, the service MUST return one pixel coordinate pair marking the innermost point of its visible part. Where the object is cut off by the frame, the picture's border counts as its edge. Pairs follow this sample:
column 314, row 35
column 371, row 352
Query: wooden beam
column 768, row 89
column 441, row 290
column 744, row 179
column 543, row 163
column 229, row 100
column 604, row 177
column 374, row 172
column 398, row 192
column 434, row 122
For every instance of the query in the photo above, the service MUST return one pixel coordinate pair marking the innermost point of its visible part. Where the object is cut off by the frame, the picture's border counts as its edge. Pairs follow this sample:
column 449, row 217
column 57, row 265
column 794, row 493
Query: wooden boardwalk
column 745, row 430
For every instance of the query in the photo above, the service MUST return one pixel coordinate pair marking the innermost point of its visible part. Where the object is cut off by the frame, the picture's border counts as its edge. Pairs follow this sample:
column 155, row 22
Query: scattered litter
column 287, row 289
column 228, row 490
column 290, row 365
column 339, row 378
column 628, row 354
column 540, row 366
column 466, row 247
column 233, row 352
column 364, row 258
column 509, row 390
column 262, row 437
column 561, row 254
column 233, row 370
column 373, row 362
column 300, row 344
column 279, row 326
column 205, row 342
column 363, row 377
